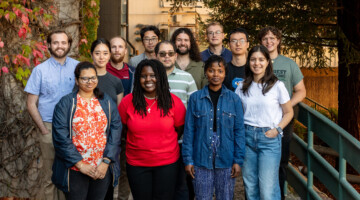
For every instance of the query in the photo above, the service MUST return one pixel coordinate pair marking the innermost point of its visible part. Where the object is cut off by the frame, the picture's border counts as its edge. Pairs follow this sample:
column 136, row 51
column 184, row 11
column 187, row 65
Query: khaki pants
column 49, row 191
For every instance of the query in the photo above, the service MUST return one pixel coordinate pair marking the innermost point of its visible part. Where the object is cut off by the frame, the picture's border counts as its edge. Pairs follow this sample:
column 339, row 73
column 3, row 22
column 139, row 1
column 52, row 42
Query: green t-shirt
column 287, row 71
column 196, row 69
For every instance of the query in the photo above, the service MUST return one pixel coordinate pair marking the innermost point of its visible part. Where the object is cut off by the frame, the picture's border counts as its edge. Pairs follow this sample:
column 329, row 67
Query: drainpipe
column 127, row 29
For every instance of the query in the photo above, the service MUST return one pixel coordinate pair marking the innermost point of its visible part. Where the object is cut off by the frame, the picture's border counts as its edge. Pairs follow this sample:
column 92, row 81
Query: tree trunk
column 349, row 66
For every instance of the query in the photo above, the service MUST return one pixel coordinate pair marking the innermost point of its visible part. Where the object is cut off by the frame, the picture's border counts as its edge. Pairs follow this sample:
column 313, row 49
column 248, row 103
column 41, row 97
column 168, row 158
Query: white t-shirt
column 263, row 110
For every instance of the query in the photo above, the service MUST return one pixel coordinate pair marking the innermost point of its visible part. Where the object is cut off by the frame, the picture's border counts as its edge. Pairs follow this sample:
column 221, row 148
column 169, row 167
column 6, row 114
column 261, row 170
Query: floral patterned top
column 89, row 130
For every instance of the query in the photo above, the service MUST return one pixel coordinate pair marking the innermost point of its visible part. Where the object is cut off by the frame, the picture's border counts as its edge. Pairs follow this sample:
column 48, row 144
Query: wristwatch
column 280, row 131
column 106, row 161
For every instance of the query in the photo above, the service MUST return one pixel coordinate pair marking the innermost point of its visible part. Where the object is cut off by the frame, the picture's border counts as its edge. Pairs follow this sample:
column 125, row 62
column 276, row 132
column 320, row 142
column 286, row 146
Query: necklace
column 149, row 109
column 149, row 97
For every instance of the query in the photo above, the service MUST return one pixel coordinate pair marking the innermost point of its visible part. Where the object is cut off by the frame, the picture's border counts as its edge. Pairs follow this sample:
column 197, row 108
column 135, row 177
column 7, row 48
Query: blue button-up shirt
column 50, row 81
column 198, row 133
column 225, row 53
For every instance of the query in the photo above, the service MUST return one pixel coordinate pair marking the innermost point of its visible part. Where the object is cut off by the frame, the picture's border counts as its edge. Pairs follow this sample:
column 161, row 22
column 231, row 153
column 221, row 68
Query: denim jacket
column 66, row 154
column 196, row 148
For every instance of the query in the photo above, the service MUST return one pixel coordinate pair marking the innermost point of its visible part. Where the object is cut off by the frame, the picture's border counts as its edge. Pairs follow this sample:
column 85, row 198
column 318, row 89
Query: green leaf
column 26, row 49
column 24, row 82
column 47, row 16
column 20, row 71
column 4, row 4
column 12, row 16
column 1, row 12
column 18, row 77
column 27, row 72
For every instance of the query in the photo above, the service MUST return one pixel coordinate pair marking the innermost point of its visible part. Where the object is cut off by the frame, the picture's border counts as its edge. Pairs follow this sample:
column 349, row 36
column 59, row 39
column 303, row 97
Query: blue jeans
column 261, row 164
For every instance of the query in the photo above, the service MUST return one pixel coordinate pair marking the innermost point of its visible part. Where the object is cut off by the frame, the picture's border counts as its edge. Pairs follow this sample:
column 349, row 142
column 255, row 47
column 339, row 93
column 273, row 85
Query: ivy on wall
column 90, row 22
column 22, row 39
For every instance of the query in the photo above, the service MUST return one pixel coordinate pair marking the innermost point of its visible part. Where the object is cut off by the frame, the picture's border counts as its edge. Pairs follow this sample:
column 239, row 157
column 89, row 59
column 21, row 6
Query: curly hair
column 268, row 80
column 164, row 99
column 194, row 51
column 273, row 30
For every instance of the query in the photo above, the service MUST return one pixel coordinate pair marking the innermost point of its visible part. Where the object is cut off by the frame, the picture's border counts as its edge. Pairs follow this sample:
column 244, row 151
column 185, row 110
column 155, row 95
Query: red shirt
column 121, row 74
column 152, row 140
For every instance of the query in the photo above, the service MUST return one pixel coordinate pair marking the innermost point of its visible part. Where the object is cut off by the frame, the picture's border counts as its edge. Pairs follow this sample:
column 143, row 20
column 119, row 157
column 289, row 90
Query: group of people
column 174, row 123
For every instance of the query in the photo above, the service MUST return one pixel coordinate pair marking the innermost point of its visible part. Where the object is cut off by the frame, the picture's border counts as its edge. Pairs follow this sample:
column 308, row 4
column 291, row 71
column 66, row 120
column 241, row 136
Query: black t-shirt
column 214, row 96
column 234, row 75
column 111, row 85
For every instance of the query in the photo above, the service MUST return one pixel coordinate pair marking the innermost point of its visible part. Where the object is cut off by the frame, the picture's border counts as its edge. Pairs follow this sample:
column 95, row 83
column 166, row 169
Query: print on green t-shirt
column 287, row 71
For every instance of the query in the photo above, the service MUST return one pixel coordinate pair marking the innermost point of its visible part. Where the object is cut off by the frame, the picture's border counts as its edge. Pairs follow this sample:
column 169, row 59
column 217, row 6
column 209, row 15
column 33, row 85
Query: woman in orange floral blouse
column 86, row 134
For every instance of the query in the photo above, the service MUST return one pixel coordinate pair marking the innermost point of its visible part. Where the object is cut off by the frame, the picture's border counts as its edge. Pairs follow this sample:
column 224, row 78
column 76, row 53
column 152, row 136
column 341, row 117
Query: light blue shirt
column 50, row 81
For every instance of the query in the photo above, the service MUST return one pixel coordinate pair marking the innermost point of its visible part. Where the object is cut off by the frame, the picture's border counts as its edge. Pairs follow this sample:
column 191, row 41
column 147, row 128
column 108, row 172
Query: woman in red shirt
column 153, row 119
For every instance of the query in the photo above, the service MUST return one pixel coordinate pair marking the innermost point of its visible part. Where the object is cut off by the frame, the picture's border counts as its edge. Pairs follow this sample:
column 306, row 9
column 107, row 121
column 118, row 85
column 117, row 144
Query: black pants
column 153, row 183
column 184, row 187
column 285, row 155
column 84, row 187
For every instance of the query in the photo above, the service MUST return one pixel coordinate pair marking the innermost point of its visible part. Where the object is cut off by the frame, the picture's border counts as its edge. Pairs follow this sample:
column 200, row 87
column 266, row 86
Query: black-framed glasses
column 93, row 79
column 163, row 53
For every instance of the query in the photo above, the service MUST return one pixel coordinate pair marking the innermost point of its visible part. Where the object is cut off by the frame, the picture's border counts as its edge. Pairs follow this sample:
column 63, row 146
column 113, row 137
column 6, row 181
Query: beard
column 56, row 55
column 182, row 52
column 117, row 60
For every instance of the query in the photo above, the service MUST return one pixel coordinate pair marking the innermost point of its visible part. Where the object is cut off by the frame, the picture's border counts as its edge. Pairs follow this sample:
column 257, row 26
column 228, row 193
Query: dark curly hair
column 268, row 80
column 164, row 99
column 194, row 51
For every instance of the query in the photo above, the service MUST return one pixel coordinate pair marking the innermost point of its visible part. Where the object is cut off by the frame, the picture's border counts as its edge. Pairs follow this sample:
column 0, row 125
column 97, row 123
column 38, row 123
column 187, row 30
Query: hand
column 101, row 170
column 235, row 171
column 271, row 133
column 44, row 131
column 87, row 170
column 189, row 169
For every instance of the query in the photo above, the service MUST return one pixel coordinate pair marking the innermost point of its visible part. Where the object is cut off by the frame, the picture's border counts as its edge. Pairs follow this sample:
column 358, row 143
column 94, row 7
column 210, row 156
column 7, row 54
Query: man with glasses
column 215, row 36
column 189, row 58
column 150, row 37
column 287, row 71
column 239, row 43
column 48, row 83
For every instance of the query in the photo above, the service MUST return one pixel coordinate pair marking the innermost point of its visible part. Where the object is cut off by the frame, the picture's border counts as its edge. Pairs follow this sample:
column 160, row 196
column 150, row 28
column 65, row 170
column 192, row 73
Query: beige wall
column 149, row 12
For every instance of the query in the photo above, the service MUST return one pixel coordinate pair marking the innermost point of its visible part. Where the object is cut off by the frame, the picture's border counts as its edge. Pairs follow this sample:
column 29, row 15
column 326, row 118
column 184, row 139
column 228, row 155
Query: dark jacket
column 66, row 154
column 128, row 86
column 196, row 148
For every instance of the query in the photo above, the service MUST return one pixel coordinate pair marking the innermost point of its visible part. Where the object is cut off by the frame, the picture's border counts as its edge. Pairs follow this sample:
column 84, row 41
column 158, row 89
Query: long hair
column 88, row 65
column 277, row 32
column 164, row 100
column 269, row 78
column 194, row 51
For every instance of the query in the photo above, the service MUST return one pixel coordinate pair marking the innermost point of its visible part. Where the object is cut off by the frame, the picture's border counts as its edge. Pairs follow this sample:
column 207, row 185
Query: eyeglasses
column 163, row 53
column 147, row 40
column 214, row 33
column 93, row 79
column 241, row 41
